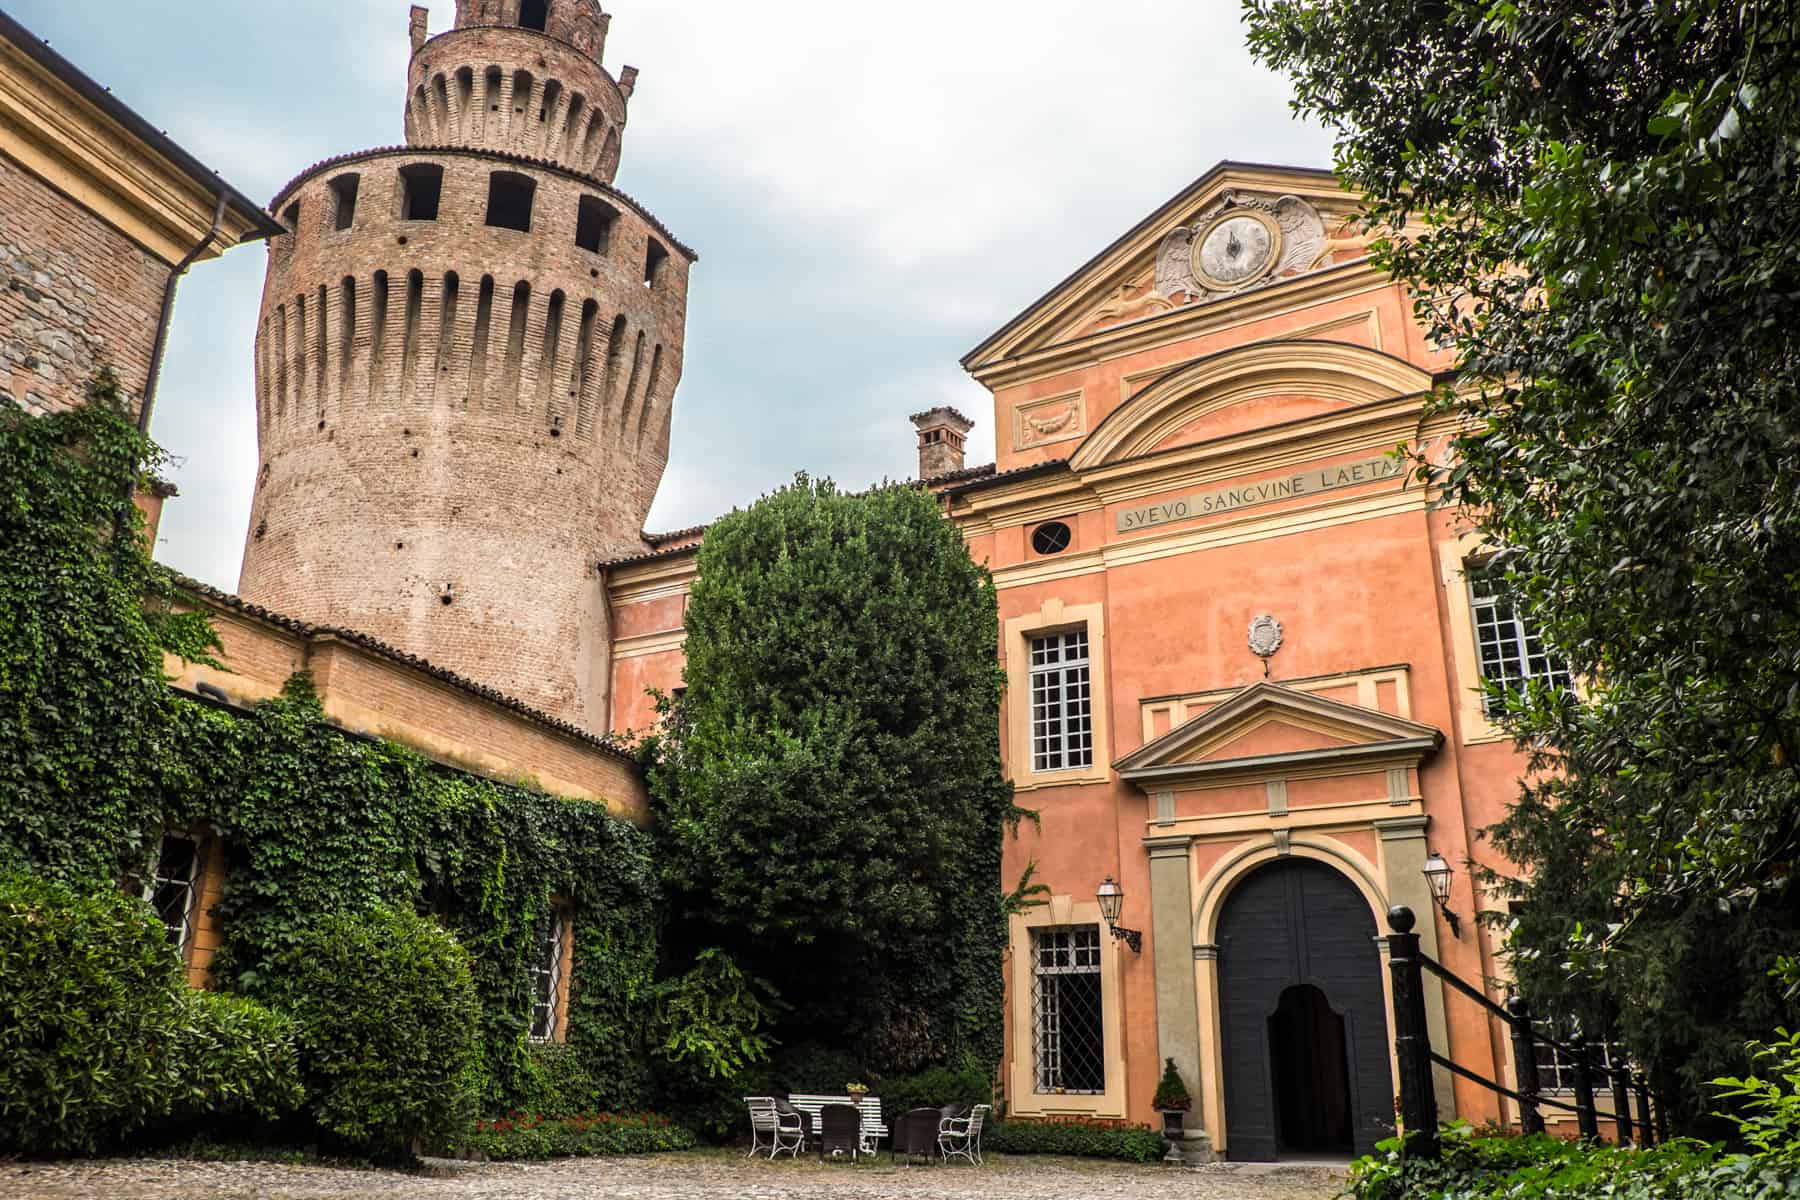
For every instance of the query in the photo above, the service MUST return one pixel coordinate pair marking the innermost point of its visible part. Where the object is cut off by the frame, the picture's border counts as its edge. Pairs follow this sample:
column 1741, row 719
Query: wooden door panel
column 1299, row 922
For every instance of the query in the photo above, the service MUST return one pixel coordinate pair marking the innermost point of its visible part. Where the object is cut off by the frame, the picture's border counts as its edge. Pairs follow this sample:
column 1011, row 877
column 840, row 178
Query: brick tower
column 466, row 364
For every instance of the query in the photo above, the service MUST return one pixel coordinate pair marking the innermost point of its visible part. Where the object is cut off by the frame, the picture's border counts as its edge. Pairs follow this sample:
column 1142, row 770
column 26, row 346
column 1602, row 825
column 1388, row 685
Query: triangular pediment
column 1295, row 221
column 1268, row 726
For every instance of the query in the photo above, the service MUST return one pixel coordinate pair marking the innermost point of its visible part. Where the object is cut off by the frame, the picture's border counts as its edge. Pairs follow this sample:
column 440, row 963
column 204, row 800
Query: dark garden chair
column 915, row 1134
column 840, row 1131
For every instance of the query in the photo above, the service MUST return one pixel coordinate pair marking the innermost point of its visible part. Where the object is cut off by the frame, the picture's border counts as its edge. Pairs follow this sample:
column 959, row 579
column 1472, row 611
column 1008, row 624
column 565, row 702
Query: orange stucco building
column 1244, row 663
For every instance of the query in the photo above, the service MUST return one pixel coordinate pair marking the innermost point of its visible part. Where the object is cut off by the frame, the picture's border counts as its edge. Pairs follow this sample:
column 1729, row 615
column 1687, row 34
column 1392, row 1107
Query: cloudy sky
column 872, row 188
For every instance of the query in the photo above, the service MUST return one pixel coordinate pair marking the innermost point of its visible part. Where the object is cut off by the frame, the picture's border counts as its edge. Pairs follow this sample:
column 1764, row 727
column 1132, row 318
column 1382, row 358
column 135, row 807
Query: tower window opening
column 421, row 191
column 594, row 224
column 509, row 201
column 534, row 14
column 343, row 193
column 654, row 258
column 290, row 216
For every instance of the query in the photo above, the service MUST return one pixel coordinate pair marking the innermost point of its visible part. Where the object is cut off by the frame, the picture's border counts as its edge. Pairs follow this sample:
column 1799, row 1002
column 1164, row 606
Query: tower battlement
column 520, row 77
column 466, row 366
column 580, row 23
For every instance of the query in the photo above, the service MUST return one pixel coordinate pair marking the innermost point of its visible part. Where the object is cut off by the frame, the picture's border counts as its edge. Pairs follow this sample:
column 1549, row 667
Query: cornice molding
column 1129, row 253
column 52, row 132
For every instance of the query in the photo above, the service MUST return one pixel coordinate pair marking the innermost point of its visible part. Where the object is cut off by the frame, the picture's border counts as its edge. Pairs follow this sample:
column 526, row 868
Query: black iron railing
column 1412, row 1047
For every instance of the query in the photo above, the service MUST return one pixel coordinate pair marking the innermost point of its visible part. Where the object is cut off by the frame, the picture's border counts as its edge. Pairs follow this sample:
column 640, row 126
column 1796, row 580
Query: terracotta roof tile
column 377, row 646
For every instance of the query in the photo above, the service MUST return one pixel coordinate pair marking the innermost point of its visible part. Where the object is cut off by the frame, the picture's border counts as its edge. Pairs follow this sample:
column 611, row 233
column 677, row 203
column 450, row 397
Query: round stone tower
column 466, row 364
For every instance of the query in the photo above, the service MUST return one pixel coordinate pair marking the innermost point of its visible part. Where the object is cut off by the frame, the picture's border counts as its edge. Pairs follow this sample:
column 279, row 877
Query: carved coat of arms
column 1265, row 636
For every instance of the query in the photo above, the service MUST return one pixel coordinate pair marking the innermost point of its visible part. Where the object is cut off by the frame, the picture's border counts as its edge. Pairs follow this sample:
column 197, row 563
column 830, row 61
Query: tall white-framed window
column 1510, row 648
column 173, row 887
column 1068, row 1023
column 1062, row 717
column 547, row 977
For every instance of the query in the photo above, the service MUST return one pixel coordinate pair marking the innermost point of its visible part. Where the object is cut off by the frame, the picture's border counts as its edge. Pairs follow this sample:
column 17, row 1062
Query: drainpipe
column 168, row 311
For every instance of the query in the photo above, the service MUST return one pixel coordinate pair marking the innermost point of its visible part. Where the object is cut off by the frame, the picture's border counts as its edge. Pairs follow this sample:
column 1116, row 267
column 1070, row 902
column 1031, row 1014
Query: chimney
column 417, row 28
column 941, row 434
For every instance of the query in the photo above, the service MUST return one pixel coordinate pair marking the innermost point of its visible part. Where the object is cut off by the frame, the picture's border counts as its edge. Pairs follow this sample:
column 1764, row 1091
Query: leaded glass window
column 1068, row 1028
column 546, row 977
column 1062, row 723
column 1511, row 648
column 172, row 887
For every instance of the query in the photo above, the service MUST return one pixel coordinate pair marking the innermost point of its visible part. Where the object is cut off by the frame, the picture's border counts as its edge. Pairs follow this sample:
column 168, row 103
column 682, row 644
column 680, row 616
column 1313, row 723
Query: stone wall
column 74, row 294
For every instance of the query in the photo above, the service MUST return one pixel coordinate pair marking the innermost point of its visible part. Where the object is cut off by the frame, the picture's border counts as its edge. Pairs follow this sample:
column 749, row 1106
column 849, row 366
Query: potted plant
column 857, row 1091
column 1171, row 1100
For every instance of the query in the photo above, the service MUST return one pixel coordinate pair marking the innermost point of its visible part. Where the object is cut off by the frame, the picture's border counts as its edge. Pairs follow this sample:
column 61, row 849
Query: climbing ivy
column 83, row 709
column 98, row 756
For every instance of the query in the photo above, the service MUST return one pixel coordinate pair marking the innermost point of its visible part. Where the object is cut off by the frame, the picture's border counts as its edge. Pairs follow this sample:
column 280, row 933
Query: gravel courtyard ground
column 708, row 1175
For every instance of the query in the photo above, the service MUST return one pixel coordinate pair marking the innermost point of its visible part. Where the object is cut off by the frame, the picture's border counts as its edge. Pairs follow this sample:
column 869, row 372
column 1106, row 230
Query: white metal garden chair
column 960, row 1137
column 784, row 1131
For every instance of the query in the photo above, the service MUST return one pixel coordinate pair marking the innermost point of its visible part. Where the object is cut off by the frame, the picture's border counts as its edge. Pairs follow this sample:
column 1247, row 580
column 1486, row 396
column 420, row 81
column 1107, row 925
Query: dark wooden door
column 1293, row 923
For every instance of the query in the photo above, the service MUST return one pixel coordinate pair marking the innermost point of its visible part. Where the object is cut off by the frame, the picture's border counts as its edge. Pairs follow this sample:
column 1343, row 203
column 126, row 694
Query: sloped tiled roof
column 378, row 647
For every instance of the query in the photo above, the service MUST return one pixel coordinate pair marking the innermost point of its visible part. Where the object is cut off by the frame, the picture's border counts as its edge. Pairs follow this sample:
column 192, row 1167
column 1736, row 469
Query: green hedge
column 1503, row 1167
column 235, row 1058
column 935, row 1087
column 389, row 1028
column 555, row 1082
column 1084, row 1139
column 100, row 1036
column 523, row 1136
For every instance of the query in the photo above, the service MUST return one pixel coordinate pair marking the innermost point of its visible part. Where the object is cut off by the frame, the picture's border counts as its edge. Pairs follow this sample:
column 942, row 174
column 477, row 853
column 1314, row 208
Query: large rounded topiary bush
column 89, row 1011
column 389, row 1027
column 100, row 1036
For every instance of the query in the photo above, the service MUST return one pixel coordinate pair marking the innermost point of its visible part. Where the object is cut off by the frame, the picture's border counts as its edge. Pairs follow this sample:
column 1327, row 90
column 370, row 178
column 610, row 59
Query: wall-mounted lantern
column 1112, row 901
column 1437, row 877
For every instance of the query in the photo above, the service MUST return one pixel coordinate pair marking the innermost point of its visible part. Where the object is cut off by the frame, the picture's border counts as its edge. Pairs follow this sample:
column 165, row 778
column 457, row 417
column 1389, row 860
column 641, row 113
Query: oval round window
column 1051, row 538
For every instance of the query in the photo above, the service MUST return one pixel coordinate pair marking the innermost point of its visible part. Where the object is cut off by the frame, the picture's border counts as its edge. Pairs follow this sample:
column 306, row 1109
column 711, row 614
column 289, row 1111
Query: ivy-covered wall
column 849, row 919
column 98, row 757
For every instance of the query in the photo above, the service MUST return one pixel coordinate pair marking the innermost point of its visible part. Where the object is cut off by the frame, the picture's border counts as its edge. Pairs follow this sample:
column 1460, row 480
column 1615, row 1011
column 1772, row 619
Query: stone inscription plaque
column 1244, row 495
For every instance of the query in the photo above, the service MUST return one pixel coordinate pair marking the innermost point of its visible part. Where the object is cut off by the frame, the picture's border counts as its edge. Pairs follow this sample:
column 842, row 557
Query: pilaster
column 1171, row 938
column 1403, row 858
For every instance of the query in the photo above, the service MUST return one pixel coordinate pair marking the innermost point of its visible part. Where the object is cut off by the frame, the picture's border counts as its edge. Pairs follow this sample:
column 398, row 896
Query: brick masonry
column 458, row 419
column 74, row 293
column 943, row 434
column 383, row 695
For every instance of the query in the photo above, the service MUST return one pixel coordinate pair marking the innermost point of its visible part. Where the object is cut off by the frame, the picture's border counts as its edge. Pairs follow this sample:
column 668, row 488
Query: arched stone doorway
column 1302, row 1016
